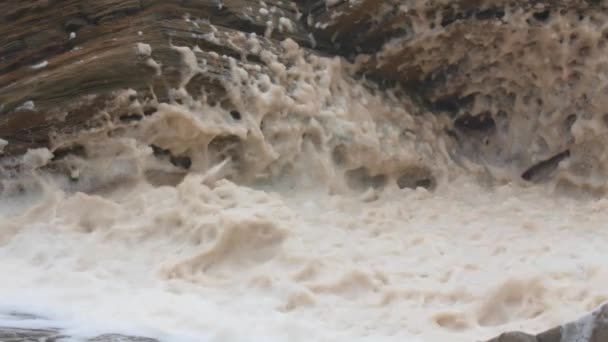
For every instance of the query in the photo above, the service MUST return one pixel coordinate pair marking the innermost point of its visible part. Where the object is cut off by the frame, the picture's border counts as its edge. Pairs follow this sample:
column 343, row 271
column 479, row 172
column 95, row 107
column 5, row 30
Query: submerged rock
column 27, row 335
column 48, row 335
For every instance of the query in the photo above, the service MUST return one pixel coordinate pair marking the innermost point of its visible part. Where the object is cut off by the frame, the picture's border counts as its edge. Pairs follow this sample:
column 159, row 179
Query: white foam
column 40, row 65
column 285, row 25
column 144, row 49
column 185, row 263
column 27, row 105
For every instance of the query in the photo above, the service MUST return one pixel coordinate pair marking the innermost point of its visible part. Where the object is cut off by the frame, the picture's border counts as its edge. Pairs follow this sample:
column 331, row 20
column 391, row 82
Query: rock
column 81, row 72
column 553, row 335
column 600, row 330
column 493, row 69
column 498, row 60
column 495, row 66
column 27, row 335
column 48, row 335
column 13, row 334
column 515, row 337
column 590, row 328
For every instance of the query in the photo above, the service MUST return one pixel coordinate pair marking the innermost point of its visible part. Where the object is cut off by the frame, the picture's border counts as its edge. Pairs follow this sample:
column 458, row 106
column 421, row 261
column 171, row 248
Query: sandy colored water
column 323, row 245
column 232, row 263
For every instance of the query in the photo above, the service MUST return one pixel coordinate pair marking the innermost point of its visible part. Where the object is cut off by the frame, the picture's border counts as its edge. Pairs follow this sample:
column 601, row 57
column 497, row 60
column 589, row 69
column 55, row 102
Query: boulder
column 590, row 328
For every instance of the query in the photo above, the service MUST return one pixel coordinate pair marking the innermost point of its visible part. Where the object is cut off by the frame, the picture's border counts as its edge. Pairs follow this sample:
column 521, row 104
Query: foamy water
column 229, row 263
column 316, row 208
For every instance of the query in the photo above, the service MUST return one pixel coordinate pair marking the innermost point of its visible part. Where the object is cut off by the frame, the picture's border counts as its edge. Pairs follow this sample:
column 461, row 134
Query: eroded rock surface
column 523, row 82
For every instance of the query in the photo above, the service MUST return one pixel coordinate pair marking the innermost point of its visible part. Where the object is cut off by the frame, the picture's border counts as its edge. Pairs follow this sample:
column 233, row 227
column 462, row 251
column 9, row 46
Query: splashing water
column 314, row 208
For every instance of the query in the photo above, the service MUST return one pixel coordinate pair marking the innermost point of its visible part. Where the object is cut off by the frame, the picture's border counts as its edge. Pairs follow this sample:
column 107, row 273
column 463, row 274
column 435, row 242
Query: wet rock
column 553, row 335
column 28, row 335
column 474, row 61
column 515, row 337
column 87, row 49
column 501, row 79
column 49, row 335
column 13, row 334
column 590, row 328
column 498, row 56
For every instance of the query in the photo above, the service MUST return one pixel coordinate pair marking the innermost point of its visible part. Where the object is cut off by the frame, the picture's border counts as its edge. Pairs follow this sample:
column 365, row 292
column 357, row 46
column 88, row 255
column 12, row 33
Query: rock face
column 522, row 81
column 62, row 60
